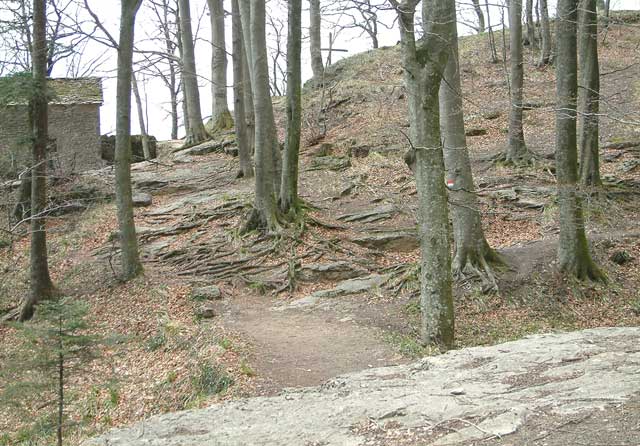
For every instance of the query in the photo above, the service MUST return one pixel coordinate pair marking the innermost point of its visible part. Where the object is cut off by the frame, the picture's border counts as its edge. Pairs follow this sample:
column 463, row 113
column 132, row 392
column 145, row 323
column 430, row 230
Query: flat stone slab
column 382, row 212
column 501, row 385
column 142, row 199
column 313, row 272
column 354, row 286
column 402, row 240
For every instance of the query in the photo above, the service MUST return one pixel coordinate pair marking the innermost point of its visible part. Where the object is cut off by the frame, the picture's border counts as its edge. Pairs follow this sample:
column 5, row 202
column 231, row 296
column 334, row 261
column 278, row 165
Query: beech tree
column 478, row 10
column 240, row 96
column 517, row 151
column 265, row 214
column 473, row 255
column 40, row 284
column 315, row 38
column 530, row 38
column 131, row 265
column 196, row 132
column 220, row 116
column 589, row 95
column 545, row 31
column 424, row 62
column 289, row 185
column 574, row 257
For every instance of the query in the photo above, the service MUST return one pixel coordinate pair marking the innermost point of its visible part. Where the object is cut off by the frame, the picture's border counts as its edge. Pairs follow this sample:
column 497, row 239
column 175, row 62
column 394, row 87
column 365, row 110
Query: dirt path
column 292, row 348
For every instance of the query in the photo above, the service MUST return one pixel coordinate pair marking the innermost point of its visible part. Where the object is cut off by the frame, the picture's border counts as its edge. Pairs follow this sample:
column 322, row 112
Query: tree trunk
column 131, row 265
column 265, row 213
column 242, row 130
column 22, row 209
column 481, row 26
column 472, row 252
column 143, row 128
column 423, row 66
column 517, row 152
column 315, row 37
column 492, row 40
column 41, row 284
column 289, row 185
column 545, row 53
column 220, row 116
column 248, row 79
column 531, row 28
column 196, row 131
column 589, row 95
column 573, row 249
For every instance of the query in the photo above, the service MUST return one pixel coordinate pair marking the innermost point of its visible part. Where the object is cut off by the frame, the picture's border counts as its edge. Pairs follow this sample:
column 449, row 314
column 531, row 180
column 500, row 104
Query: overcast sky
column 157, row 95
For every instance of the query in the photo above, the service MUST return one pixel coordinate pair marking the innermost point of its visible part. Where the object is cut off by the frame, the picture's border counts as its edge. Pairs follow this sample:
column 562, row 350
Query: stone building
column 74, row 126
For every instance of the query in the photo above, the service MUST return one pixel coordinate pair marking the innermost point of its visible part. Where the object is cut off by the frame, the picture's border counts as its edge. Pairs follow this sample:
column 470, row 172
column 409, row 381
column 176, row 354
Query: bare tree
column 277, row 53
column 473, row 255
column 242, row 102
column 478, row 9
column 315, row 37
column 41, row 284
column 196, row 131
column 289, row 186
column 167, row 67
column 220, row 116
column 65, row 35
column 423, row 63
column 589, row 94
column 530, row 38
column 517, row 151
column 265, row 214
column 131, row 265
column 141, row 121
column 545, row 50
column 363, row 15
column 573, row 248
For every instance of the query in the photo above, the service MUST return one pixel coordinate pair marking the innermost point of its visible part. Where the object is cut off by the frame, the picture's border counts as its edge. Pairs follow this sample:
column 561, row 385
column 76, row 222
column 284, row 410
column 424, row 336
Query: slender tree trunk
column 472, row 252
column 573, row 248
column 196, row 132
column 315, row 37
column 131, row 265
column 220, row 116
column 41, row 284
column 545, row 53
column 143, row 128
column 481, row 26
column 265, row 214
column 492, row 38
column 589, row 95
column 173, row 98
column 531, row 28
column 423, row 67
column 22, row 209
column 289, row 185
column 517, row 152
column 248, row 103
column 239, row 62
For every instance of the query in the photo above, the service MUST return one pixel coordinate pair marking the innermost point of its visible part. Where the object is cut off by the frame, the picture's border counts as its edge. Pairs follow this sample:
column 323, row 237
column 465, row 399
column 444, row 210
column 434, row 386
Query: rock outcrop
column 488, row 391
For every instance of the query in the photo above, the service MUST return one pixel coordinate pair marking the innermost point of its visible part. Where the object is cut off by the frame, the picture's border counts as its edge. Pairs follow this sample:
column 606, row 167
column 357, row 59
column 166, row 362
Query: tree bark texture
column 478, row 9
column 131, row 265
column 143, row 128
column 423, row 64
column 545, row 51
column 239, row 86
column 573, row 249
column 589, row 95
column 220, row 115
column 41, row 286
column 315, row 37
column 472, row 252
column 265, row 213
column 196, row 132
column 517, row 152
column 289, row 185
column 531, row 28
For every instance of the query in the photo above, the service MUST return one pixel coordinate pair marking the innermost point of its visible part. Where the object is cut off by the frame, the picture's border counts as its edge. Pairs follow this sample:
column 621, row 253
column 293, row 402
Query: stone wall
column 75, row 129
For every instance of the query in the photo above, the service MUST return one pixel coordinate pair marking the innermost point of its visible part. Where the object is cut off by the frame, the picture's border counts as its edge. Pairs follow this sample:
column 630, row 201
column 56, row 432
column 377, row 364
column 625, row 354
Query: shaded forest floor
column 339, row 292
